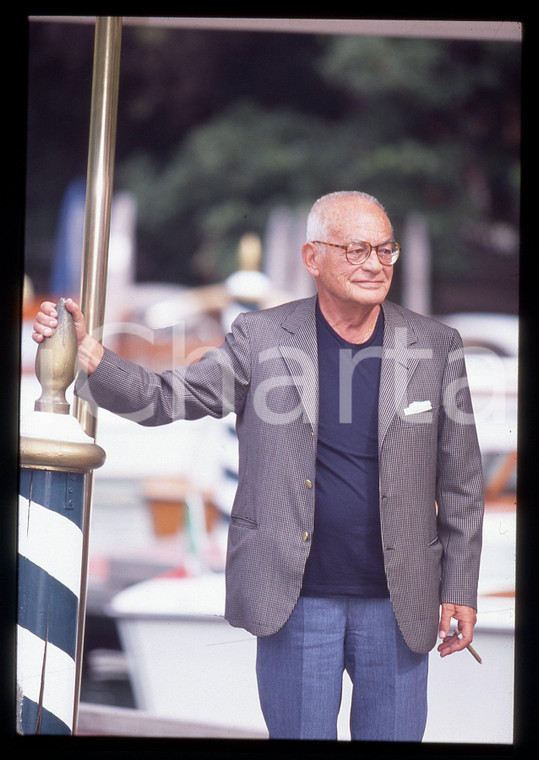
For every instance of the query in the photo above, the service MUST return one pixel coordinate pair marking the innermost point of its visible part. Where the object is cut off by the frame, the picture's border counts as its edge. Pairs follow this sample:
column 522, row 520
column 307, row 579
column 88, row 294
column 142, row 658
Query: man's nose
column 372, row 263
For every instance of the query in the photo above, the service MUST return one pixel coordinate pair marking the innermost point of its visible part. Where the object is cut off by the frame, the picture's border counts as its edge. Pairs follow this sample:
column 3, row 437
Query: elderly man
column 359, row 504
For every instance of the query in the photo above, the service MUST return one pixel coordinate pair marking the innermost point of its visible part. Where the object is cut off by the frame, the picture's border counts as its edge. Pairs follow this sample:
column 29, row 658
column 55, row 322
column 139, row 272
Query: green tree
column 217, row 128
column 425, row 125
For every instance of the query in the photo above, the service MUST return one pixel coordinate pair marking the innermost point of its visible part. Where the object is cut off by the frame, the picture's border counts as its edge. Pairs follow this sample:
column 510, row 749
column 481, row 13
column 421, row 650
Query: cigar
column 470, row 648
column 472, row 651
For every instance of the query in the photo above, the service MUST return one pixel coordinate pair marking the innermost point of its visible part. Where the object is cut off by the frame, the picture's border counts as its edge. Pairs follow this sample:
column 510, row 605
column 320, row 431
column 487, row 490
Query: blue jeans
column 300, row 670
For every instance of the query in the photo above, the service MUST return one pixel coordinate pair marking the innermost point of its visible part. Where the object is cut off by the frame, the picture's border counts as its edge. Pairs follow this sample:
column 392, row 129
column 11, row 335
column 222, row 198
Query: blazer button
column 309, row 483
column 305, row 535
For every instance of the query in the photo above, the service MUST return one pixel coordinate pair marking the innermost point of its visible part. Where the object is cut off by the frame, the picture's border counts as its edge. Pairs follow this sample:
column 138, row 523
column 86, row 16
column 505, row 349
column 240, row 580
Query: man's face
column 363, row 284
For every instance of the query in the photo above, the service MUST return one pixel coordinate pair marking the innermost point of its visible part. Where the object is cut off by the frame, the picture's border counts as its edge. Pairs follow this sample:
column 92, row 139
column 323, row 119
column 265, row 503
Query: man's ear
column 310, row 254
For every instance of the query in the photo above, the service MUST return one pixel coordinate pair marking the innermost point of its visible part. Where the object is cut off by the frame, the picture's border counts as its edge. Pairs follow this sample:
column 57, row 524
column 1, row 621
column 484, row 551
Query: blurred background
column 225, row 138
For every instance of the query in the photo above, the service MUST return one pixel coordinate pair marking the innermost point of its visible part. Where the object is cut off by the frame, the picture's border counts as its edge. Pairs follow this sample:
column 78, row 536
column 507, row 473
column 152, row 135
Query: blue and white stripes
column 49, row 575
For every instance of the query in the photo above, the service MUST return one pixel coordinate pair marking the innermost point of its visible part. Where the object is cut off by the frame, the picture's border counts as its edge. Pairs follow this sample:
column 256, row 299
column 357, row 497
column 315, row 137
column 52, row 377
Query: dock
column 107, row 720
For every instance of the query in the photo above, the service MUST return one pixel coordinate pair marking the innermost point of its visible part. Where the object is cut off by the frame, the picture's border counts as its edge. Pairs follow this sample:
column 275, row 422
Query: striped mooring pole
column 54, row 455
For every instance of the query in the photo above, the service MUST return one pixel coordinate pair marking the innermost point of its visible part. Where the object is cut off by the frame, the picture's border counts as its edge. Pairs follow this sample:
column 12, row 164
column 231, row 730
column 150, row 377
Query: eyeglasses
column 357, row 252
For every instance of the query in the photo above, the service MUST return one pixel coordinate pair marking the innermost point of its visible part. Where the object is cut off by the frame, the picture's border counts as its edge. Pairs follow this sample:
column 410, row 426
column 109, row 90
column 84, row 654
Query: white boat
column 185, row 661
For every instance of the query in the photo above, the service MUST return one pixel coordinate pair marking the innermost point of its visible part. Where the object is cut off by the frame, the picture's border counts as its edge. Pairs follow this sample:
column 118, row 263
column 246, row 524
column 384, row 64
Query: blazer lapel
column 399, row 362
column 299, row 349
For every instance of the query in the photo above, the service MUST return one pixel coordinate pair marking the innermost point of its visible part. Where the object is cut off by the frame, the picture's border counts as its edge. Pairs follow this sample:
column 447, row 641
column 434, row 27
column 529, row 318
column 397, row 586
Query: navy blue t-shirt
column 346, row 553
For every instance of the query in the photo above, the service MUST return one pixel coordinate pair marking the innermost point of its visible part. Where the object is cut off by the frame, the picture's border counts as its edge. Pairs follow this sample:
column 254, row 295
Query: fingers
column 463, row 636
column 454, row 643
column 45, row 321
column 445, row 620
column 466, row 630
column 78, row 319
column 74, row 308
column 449, row 645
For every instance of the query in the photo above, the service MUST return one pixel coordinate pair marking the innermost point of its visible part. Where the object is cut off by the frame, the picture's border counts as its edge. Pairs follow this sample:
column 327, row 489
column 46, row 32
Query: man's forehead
column 356, row 216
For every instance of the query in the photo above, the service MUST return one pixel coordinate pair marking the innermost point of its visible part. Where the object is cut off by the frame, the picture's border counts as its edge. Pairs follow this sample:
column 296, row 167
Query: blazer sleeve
column 459, row 489
column 215, row 385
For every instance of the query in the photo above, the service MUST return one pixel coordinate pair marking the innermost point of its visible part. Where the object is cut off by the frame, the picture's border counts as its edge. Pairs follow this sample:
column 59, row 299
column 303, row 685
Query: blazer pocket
column 423, row 415
column 243, row 522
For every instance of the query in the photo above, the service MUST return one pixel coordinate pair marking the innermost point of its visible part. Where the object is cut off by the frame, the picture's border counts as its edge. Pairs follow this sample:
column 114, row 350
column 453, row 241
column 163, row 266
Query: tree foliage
column 217, row 128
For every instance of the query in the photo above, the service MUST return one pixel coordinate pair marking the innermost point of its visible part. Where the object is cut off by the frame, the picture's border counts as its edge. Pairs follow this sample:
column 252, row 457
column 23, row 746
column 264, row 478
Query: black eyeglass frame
column 346, row 248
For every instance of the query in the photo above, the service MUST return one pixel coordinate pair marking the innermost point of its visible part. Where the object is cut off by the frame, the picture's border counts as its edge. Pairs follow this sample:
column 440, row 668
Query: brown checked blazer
column 266, row 371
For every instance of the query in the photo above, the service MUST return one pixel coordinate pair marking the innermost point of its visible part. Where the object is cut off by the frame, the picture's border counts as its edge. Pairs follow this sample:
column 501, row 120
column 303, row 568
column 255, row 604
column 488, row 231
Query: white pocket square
column 418, row 406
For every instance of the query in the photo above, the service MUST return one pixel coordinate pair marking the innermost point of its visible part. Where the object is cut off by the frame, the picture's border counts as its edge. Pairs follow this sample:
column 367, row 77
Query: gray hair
column 317, row 219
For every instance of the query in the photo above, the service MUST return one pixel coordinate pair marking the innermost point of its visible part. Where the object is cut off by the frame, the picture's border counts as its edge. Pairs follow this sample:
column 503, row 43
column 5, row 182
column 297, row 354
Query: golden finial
column 55, row 363
column 250, row 252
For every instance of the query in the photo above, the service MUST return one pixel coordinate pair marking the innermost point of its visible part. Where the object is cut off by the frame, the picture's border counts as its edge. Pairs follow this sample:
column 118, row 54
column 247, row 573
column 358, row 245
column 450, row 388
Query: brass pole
column 99, row 184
